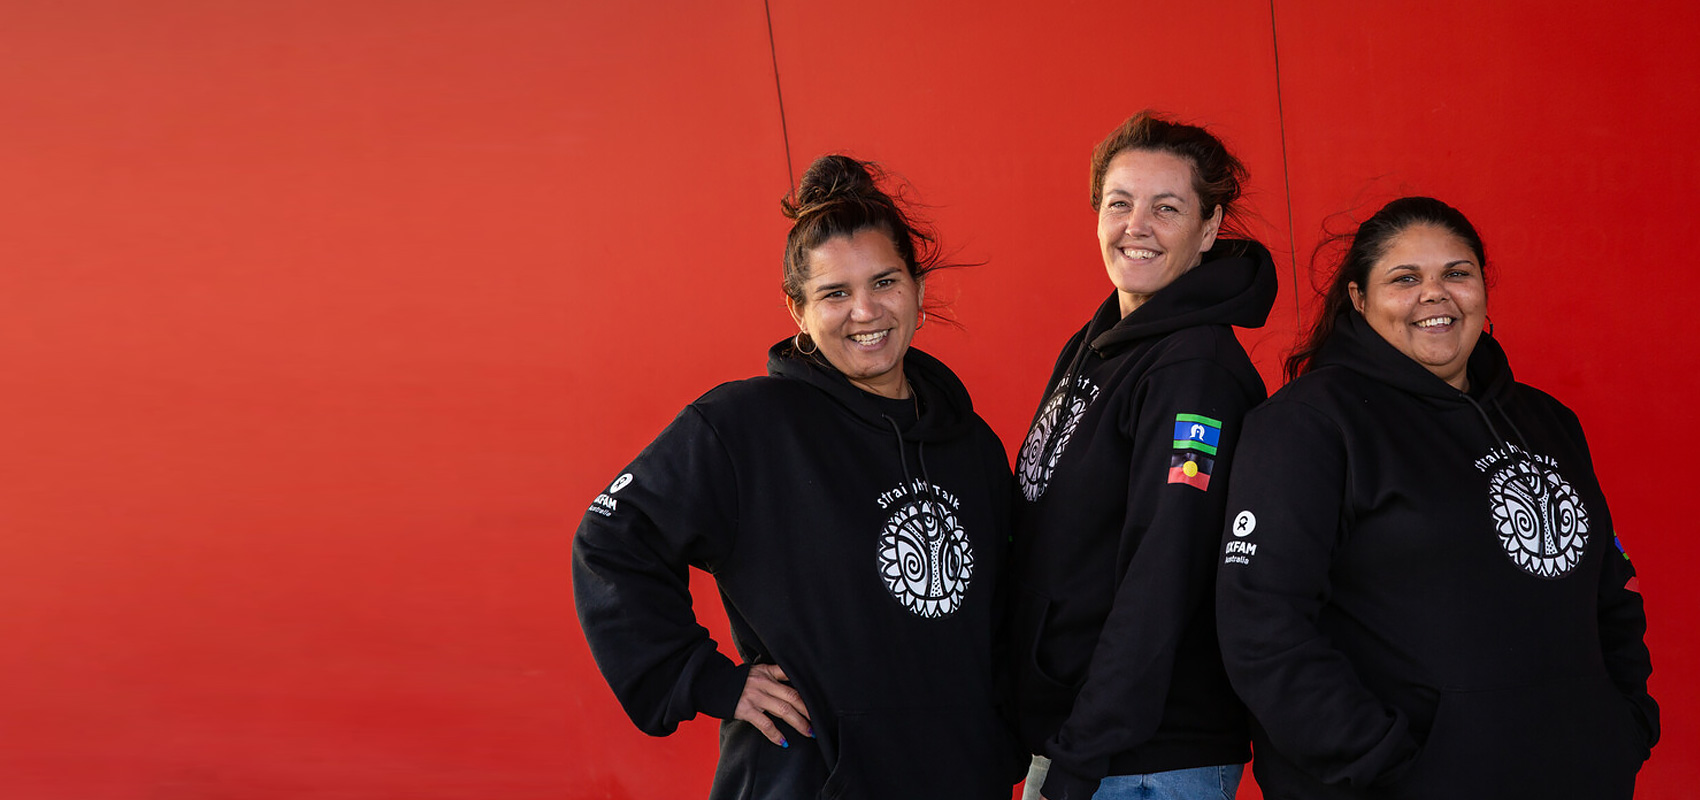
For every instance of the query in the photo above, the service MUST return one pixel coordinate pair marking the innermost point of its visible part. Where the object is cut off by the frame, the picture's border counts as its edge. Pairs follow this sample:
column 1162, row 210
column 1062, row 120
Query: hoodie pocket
column 930, row 752
column 1572, row 738
column 1049, row 665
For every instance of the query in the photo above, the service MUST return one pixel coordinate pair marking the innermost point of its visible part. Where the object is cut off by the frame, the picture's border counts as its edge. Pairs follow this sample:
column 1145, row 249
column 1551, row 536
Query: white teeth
column 869, row 338
column 1132, row 253
column 1430, row 323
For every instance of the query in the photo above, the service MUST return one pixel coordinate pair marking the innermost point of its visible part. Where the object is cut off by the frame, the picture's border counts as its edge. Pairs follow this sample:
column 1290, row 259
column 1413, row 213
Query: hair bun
column 832, row 178
column 842, row 196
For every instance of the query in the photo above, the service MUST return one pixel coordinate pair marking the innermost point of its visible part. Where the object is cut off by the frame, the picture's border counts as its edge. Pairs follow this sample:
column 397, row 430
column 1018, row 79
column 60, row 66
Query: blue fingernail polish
column 783, row 743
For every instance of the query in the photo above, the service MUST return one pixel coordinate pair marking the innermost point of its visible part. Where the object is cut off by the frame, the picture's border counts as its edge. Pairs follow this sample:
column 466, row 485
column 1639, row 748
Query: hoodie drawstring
column 932, row 497
column 1053, row 437
column 1507, row 417
column 1488, row 422
column 1521, row 451
column 1522, row 441
column 925, row 493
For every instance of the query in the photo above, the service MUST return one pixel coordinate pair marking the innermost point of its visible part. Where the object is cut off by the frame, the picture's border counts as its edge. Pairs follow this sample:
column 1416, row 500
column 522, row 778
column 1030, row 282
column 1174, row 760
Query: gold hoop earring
column 797, row 343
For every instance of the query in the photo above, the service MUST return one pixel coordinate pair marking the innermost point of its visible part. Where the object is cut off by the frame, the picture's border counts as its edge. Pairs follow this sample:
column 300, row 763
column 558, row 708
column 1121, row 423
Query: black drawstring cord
column 1514, row 429
column 1540, row 474
column 938, row 507
column 1053, row 437
column 925, row 493
column 902, row 458
column 1527, row 453
column 1488, row 422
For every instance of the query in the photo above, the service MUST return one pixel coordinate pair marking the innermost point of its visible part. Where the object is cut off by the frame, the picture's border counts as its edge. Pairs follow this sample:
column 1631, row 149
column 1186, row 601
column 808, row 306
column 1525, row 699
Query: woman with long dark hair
column 1421, row 593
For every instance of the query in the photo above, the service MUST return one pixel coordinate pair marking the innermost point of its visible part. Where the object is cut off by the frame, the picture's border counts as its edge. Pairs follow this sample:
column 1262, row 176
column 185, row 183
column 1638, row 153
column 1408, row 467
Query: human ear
column 1211, row 227
column 1357, row 296
column 796, row 313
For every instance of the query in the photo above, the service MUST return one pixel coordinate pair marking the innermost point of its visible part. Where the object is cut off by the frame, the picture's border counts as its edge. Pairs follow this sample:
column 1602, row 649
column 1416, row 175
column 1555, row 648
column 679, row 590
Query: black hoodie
column 1421, row 594
column 855, row 545
column 1114, row 636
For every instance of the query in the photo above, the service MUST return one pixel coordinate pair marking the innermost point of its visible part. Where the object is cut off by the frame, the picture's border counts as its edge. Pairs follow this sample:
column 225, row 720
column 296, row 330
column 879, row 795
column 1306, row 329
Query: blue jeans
column 1197, row 783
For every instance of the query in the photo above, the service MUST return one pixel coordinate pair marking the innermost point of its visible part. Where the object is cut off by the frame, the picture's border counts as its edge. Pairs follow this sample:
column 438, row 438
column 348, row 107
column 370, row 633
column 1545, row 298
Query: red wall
column 320, row 322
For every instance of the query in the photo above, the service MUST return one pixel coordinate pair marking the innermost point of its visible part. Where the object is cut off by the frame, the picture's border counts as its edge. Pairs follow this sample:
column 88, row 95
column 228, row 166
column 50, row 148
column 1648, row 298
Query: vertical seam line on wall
column 785, row 132
column 1286, row 169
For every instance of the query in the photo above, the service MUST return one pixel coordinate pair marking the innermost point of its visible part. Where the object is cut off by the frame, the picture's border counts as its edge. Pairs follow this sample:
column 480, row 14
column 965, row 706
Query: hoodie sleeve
column 1623, row 628
column 1167, row 565
column 673, row 507
column 1284, row 526
column 1622, row 617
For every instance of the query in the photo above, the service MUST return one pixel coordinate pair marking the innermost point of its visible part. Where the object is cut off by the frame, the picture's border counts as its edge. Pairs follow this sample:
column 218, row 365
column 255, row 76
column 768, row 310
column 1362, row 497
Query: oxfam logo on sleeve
column 1244, row 523
column 605, row 504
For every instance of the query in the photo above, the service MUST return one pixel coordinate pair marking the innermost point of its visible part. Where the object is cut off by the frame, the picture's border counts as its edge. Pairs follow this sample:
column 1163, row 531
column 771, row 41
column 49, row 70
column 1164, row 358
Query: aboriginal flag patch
column 1192, row 469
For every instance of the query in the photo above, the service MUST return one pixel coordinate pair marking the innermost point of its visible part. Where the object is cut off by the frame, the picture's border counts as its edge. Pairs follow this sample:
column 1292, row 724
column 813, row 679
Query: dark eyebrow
column 833, row 287
column 1158, row 196
column 1447, row 265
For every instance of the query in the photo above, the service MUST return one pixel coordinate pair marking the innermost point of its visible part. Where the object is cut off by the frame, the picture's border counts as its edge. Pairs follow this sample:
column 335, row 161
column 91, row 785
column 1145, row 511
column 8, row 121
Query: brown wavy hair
column 1217, row 176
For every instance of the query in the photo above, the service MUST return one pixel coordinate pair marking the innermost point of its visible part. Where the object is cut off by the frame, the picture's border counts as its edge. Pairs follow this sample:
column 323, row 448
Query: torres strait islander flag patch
column 1196, row 438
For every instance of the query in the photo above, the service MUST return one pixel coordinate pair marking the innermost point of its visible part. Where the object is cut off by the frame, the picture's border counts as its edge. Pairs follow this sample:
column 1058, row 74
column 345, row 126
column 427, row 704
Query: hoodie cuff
column 1062, row 783
column 1648, row 723
column 718, row 687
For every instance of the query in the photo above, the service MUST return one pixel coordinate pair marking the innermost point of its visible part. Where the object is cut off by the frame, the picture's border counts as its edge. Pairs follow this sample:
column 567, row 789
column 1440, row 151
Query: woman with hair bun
column 1421, row 593
column 1122, row 693
column 853, row 510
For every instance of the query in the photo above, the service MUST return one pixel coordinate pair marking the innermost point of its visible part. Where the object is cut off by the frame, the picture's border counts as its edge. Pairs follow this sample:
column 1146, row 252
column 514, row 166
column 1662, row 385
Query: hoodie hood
column 946, row 410
column 1234, row 285
column 1358, row 347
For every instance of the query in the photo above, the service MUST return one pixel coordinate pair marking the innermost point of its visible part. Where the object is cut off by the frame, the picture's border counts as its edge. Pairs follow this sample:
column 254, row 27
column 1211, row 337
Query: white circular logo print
column 1033, row 475
column 1244, row 523
column 620, row 483
column 925, row 559
column 1539, row 519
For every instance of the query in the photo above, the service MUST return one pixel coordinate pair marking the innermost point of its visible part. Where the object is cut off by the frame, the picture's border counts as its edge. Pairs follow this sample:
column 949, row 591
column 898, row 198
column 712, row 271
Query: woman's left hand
column 768, row 695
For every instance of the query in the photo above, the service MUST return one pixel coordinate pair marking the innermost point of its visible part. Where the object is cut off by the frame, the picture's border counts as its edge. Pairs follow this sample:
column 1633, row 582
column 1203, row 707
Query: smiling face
column 1151, row 225
column 860, row 306
column 1426, row 297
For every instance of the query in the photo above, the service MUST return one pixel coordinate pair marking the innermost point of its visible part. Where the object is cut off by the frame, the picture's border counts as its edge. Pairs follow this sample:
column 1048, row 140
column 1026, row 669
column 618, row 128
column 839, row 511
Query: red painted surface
column 321, row 322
